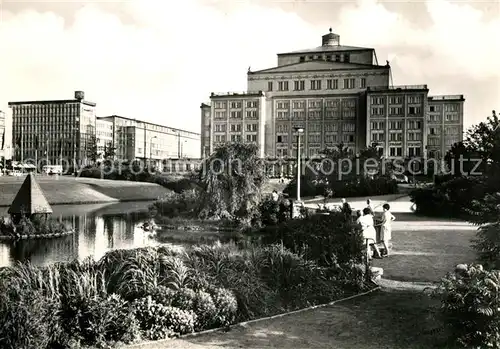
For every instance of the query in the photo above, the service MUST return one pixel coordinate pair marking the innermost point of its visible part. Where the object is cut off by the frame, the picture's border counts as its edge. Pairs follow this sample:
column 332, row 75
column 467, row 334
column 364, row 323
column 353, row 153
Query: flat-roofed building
column 206, row 123
column 445, row 123
column 60, row 131
column 140, row 140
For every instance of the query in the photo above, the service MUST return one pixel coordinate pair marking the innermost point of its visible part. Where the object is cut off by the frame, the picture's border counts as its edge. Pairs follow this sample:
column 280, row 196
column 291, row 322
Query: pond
column 99, row 229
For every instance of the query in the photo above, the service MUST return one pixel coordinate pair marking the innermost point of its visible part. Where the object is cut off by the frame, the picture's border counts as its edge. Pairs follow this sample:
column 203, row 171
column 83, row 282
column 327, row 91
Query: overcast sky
column 158, row 60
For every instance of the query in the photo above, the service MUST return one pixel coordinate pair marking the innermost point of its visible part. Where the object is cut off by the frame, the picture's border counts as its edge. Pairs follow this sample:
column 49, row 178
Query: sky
column 158, row 60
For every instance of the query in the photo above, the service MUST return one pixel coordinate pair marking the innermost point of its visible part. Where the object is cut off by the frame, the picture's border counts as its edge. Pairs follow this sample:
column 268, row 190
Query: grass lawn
column 426, row 249
column 380, row 320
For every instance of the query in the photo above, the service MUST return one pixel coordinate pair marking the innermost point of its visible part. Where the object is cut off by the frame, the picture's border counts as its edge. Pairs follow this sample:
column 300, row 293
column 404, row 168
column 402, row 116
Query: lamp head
column 299, row 129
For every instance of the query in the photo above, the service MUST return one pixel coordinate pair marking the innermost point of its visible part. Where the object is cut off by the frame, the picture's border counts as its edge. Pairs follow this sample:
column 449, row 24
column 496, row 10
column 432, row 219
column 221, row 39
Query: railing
column 446, row 97
column 236, row 93
column 401, row 87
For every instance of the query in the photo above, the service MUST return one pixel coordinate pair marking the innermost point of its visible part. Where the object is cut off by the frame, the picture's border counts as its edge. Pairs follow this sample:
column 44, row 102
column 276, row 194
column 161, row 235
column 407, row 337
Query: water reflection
column 99, row 229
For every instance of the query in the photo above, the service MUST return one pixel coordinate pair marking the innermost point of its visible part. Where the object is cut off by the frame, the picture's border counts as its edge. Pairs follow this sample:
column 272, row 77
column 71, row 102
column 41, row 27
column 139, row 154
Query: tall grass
column 92, row 302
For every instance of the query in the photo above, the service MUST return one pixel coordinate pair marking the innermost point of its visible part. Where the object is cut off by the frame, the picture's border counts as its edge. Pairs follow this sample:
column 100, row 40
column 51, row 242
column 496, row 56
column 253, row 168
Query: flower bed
column 156, row 293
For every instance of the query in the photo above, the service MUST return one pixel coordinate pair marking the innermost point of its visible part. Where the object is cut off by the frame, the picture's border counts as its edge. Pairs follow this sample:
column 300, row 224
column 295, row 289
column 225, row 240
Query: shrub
column 205, row 310
column 32, row 227
column 226, row 307
column 164, row 296
column 185, row 204
column 326, row 239
column 273, row 212
column 470, row 306
column 159, row 322
column 28, row 319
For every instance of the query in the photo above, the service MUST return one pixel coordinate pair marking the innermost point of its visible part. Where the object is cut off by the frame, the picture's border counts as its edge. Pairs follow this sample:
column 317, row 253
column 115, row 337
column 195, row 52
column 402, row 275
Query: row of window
column 328, row 114
column 235, row 138
column 317, row 84
column 46, row 109
column 396, row 125
column 448, row 118
column 316, row 138
column 396, row 100
column 237, row 114
column 236, row 127
column 315, row 104
column 379, row 111
column 236, row 104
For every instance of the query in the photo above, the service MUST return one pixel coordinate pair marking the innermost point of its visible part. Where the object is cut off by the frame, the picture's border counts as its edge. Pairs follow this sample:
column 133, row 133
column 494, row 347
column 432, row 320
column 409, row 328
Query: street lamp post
column 150, row 149
column 298, row 203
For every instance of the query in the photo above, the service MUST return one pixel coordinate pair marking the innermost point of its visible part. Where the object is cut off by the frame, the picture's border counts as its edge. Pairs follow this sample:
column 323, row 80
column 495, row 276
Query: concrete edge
column 246, row 323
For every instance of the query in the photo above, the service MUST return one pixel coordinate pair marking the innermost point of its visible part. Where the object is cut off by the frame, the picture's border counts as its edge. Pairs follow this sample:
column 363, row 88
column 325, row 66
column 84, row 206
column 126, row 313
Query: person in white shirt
column 275, row 195
column 386, row 228
column 367, row 226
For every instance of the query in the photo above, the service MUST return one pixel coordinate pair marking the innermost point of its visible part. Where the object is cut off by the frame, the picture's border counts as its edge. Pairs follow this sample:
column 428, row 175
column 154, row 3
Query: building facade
column 57, row 131
column 3, row 143
column 140, row 140
column 338, row 95
column 445, row 124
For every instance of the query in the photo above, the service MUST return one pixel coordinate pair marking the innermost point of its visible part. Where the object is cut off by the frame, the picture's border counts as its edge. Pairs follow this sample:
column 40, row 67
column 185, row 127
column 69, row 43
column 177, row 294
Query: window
column 235, row 127
column 347, row 58
column 220, row 128
column 269, row 85
column 395, row 125
column 220, row 105
column 314, row 127
column 414, row 125
column 433, row 131
column 299, row 85
column 299, row 104
column 332, row 84
column 252, row 114
column 377, row 100
column 220, row 114
column 377, row 137
column 414, row 136
column 314, row 138
column 282, row 139
column 252, row 104
column 315, row 104
column 395, row 111
column 377, row 125
column 451, row 107
column 348, row 138
column 331, row 138
column 414, row 110
column 251, row 127
column 315, row 114
column 235, row 105
column 377, row 111
column 451, row 117
column 363, row 83
column 414, row 99
column 349, row 83
column 283, row 105
column 251, row 138
column 313, row 152
column 299, row 115
column 331, row 127
column 282, row 128
column 395, row 151
column 283, row 86
column 315, row 84
column 331, row 103
column 348, row 127
column 235, row 138
column 396, row 137
column 414, row 151
column 236, row 114
column 302, row 59
column 282, row 115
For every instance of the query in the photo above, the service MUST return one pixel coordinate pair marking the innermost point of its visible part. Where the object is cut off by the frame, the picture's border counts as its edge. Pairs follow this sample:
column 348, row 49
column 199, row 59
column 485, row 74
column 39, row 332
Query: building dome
column 330, row 39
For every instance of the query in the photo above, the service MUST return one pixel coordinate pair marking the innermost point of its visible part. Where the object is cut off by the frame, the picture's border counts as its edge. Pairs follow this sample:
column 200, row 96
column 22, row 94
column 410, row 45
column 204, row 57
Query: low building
column 152, row 143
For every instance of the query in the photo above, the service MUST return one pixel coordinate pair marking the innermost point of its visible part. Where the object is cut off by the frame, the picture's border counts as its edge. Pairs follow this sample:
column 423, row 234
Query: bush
column 185, row 204
column 176, row 185
column 32, row 227
column 470, row 306
column 159, row 322
column 327, row 239
column 27, row 319
column 226, row 307
column 274, row 212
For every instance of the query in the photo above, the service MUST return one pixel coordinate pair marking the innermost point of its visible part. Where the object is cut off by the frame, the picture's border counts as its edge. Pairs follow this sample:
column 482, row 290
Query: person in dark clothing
column 346, row 208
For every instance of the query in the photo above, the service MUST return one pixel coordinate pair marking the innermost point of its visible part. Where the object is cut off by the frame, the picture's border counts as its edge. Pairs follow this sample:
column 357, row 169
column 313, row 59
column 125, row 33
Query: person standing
column 275, row 196
column 369, row 232
column 386, row 227
column 370, row 206
column 346, row 208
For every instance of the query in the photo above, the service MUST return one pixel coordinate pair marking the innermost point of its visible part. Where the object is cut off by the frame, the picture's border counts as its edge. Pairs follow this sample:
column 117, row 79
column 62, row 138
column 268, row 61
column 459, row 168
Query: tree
column 109, row 151
column 231, row 180
column 92, row 153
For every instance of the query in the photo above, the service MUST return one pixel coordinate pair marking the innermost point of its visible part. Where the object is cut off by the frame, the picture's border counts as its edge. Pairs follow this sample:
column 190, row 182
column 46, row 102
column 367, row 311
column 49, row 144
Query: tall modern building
column 337, row 94
column 60, row 131
column 134, row 139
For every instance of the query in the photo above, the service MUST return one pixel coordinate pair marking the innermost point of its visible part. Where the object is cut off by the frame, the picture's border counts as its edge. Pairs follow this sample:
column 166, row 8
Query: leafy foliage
column 470, row 306
column 32, row 227
column 231, row 181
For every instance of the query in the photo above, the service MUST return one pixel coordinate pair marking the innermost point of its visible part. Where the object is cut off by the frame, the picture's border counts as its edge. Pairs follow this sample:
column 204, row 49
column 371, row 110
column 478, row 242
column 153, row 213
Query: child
column 386, row 228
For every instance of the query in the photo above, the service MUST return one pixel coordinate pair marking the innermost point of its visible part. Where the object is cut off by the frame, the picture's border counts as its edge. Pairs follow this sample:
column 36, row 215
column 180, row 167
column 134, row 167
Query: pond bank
column 65, row 190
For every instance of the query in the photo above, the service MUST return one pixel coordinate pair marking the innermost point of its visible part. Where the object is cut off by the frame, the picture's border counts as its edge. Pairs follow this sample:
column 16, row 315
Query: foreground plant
column 470, row 306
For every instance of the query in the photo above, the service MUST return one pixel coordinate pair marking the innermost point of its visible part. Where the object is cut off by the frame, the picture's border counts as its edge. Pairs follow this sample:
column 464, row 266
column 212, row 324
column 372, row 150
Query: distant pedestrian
column 275, row 196
column 370, row 206
column 346, row 208
column 386, row 228
column 328, row 195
